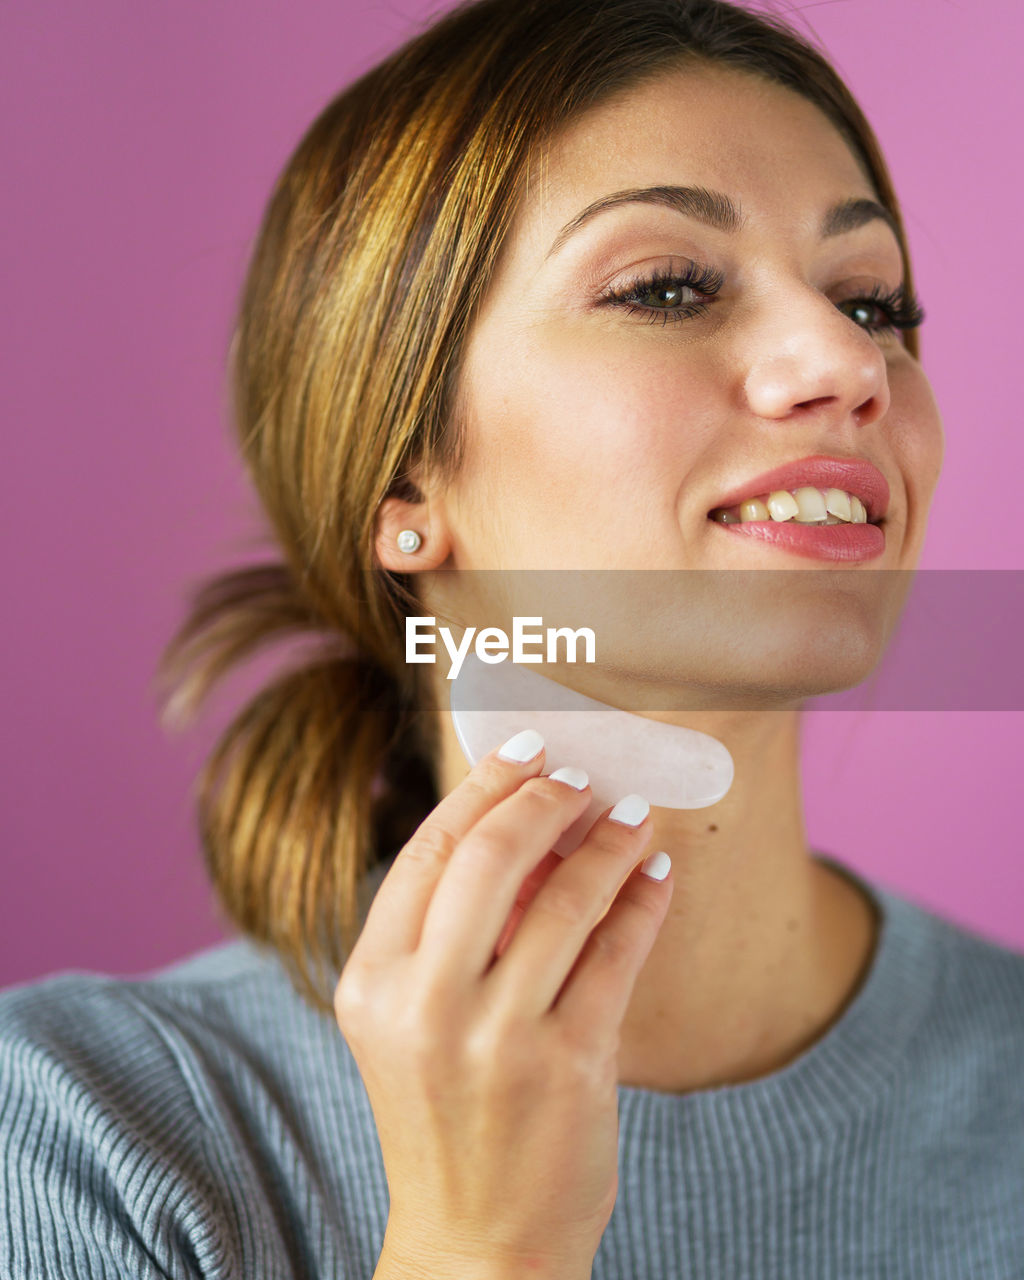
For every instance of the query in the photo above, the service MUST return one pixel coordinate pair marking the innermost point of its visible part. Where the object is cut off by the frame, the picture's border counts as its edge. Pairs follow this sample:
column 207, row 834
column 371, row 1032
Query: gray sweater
column 201, row 1121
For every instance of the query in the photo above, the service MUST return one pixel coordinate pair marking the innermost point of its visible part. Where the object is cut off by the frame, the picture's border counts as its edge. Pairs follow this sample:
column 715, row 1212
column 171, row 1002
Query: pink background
column 139, row 147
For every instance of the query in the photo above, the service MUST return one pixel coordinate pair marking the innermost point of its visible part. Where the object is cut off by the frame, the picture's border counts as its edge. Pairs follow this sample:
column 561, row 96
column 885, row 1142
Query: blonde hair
column 377, row 243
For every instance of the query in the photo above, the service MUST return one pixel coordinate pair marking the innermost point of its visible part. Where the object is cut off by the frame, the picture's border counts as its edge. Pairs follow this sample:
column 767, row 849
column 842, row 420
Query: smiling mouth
column 804, row 505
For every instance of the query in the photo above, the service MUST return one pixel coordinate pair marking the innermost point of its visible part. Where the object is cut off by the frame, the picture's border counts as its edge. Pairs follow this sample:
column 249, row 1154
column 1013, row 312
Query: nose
column 810, row 357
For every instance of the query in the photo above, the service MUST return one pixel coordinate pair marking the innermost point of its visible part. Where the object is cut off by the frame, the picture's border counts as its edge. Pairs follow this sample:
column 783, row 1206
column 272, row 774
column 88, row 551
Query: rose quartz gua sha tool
column 670, row 766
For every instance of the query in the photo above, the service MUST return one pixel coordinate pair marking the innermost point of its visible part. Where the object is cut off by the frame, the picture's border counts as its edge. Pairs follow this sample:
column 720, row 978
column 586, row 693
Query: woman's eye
column 866, row 314
column 885, row 312
column 666, row 295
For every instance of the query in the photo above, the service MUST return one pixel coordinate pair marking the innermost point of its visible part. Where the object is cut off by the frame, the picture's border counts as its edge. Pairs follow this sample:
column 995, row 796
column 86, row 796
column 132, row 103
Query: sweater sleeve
column 107, row 1165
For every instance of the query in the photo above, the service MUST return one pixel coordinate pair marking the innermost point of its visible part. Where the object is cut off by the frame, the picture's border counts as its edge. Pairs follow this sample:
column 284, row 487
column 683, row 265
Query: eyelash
column 903, row 310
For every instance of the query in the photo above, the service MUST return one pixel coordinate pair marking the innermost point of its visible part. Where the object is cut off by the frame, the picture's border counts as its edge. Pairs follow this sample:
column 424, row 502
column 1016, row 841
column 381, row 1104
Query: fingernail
column 656, row 866
column 630, row 811
column 522, row 746
column 574, row 777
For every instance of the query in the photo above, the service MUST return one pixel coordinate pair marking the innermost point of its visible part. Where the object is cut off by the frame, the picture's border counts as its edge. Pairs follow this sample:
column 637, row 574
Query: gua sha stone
column 670, row 766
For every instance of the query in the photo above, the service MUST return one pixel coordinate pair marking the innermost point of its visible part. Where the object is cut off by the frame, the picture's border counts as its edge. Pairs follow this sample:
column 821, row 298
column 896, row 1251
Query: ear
column 395, row 514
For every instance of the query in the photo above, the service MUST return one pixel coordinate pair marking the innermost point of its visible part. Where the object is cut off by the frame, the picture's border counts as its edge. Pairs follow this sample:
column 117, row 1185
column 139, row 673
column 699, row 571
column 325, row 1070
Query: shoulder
column 173, row 1124
column 79, row 1036
column 953, row 1126
column 980, row 985
column 113, row 1148
column 968, row 1046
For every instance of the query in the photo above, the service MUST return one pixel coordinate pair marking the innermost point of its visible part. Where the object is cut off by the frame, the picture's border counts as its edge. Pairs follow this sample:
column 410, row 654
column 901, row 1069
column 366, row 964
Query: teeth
column 837, row 503
column 810, row 505
column 782, row 505
column 806, row 505
column 753, row 510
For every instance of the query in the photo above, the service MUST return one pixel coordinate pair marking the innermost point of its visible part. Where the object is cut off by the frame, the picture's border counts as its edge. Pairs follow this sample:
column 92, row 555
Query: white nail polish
column 522, row 746
column 574, row 777
column 656, row 866
column 630, row 811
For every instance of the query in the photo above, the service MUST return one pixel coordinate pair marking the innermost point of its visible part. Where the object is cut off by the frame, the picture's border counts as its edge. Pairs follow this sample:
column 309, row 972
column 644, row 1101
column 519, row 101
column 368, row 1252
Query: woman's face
column 601, row 436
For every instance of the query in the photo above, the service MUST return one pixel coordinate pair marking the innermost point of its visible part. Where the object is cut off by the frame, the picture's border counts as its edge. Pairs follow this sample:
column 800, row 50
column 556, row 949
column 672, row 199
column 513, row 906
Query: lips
column 855, row 475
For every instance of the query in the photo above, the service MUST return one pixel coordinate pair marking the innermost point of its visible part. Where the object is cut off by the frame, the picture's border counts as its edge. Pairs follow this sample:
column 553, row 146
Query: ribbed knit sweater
column 202, row 1121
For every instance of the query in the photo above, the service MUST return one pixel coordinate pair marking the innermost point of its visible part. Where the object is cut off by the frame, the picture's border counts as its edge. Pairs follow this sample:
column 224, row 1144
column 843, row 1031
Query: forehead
column 773, row 152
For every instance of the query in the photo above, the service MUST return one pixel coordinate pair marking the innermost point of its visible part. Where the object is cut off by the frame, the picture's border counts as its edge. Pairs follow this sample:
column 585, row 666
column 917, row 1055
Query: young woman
column 569, row 286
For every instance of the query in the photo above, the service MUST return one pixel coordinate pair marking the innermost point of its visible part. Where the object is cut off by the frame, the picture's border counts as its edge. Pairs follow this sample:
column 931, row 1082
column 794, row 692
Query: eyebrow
column 715, row 209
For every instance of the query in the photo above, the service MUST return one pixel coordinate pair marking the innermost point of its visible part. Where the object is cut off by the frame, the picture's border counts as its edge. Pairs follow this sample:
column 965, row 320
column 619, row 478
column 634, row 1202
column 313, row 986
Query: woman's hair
column 375, row 249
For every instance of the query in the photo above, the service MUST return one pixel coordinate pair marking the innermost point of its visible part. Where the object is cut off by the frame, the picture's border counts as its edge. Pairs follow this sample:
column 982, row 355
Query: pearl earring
column 409, row 540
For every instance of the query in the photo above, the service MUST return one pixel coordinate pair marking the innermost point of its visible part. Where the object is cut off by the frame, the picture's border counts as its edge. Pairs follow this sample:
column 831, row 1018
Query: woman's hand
column 492, row 1069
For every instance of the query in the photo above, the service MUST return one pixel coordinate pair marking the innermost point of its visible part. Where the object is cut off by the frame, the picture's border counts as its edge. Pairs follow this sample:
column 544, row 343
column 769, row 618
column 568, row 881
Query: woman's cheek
column 916, row 434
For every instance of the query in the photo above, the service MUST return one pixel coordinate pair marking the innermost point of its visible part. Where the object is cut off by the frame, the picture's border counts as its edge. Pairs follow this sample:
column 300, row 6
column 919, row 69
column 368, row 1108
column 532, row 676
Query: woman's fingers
column 527, row 892
column 394, row 921
column 568, row 907
column 595, row 996
column 475, row 896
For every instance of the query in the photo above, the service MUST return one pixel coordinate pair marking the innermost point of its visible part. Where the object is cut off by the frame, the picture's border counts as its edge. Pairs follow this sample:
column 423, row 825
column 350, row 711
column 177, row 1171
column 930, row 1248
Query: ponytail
column 317, row 781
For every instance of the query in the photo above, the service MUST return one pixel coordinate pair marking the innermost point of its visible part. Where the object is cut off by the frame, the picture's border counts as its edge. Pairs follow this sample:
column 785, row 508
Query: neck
column 763, row 945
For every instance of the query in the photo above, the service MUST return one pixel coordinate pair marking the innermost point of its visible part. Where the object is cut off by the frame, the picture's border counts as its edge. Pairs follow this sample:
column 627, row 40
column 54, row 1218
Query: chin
column 775, row 664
